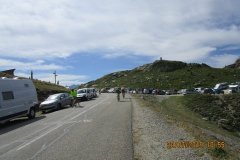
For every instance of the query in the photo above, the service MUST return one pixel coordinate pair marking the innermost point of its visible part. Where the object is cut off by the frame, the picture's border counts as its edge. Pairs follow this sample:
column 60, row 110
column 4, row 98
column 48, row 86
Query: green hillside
column 44, row 89
column 164, row 74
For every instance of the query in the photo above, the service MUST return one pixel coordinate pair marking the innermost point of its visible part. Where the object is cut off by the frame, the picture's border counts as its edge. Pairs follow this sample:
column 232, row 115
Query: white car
column 112, row 90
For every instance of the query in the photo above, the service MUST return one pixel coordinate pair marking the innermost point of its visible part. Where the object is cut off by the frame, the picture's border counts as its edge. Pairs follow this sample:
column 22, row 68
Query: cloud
column 173, row 29
column 222, row 60
column 37, row 65
column 64, row 79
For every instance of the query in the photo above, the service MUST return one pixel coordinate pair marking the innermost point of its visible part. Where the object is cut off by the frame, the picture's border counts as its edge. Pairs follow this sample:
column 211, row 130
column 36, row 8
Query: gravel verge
column 151, row 132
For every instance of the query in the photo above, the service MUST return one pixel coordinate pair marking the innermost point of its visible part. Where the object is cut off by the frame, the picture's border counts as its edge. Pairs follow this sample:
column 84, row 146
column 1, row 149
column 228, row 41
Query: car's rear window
column 52, row 97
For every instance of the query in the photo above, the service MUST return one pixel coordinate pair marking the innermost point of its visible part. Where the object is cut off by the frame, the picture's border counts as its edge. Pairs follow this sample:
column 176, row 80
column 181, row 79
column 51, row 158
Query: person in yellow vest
column 73, row 93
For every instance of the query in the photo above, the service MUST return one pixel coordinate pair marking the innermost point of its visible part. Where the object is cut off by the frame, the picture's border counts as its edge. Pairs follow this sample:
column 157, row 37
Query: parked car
column 168, row 92
column 161, row 92
column 229, row 91
column 232, row 88
column 180, row 91
column 18, row 98
column 93, row 92
column 55, row 102
column 145, row 91
column 220, row 87
column 199, row 89
column 208, row 91
column 171, row 92
column 154, row 91
column 103, row 90
column 188, row 91
column 111, row 90
column 84, row 94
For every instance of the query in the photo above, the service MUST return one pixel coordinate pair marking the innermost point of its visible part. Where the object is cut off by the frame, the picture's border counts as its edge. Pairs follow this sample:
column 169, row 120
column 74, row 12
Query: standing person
column 123, row 92
column 73, row 93
column 118, row 91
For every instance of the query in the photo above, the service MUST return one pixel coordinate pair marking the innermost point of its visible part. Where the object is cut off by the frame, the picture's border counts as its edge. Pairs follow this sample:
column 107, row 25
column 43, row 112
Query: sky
column 84, row 40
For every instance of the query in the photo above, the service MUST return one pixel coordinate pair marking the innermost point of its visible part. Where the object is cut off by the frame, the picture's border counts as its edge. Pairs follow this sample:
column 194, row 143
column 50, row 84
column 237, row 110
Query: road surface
column 99, row 129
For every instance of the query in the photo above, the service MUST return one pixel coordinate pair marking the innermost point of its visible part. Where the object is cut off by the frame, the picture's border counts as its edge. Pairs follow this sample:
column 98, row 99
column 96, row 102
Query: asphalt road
column 98, row 130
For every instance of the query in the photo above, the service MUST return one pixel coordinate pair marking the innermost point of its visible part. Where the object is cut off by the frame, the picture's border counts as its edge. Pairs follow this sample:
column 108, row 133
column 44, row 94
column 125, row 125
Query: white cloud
column 222, row 60
column 37, row 65
column 181, row 30
column 64, row 79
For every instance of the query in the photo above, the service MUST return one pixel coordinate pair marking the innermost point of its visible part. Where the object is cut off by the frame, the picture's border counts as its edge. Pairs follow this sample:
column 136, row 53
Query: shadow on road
column 125, row 100
column 55, row 110
column 17, row 123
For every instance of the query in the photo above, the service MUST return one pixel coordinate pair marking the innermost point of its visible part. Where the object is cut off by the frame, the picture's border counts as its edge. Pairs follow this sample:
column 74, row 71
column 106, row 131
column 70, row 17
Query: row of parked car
column 18, row 97
column 220, row 88
column 60, row 100
column 86, row 93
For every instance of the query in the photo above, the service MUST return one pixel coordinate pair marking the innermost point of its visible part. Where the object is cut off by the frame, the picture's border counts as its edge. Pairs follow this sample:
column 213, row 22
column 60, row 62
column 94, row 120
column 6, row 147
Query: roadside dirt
column 152, row 135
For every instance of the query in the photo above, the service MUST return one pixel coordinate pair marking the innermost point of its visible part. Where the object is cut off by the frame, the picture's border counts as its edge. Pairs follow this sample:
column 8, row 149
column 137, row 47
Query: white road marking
column 85, row 111
column 24, row 139
column 58, row 126
column 33, row 140
column 66, row 130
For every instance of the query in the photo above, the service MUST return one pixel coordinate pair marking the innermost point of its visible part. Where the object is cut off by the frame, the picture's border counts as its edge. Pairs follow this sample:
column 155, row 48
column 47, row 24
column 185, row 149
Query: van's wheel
column 32, row 113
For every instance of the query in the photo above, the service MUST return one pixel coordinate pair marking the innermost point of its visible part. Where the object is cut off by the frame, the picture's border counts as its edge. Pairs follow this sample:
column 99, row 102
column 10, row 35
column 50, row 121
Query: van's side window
column 7, row 95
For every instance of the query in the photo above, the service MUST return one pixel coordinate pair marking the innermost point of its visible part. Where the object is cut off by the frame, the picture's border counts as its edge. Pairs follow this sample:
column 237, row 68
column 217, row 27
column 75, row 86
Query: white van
column 17, row 98
column 93, row 92
column 84, row 94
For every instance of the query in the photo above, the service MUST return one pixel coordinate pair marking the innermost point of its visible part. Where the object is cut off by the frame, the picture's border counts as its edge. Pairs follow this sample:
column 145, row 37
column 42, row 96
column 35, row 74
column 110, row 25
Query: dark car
column 208, row 91
column 56, row 101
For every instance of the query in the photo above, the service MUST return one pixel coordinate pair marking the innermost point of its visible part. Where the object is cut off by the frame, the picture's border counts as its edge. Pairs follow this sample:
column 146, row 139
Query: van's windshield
column 81, row 91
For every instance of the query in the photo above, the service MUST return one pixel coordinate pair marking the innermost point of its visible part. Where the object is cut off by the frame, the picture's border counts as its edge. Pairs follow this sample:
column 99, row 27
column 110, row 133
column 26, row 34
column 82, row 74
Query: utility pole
column 55, row 76
column 31, row 75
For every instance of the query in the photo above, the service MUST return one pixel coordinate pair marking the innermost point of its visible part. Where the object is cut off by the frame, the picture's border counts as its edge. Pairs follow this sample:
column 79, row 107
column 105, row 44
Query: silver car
column 56, row 101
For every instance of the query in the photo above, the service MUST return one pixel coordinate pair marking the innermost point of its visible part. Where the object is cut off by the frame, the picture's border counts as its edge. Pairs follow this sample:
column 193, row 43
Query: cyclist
column 118, row 91
column 123, row 92
column 73, row 93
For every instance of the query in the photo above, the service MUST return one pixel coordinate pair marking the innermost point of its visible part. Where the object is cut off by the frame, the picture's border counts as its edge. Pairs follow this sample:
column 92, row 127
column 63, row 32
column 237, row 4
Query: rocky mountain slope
column 235, row 65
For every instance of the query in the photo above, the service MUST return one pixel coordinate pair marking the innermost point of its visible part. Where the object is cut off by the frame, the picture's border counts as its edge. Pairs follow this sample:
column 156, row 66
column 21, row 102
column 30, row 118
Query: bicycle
column 75, row 102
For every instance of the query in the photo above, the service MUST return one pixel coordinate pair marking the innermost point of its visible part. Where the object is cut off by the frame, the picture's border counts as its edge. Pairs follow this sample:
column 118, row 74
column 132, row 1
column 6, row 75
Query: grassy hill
column 165, row 74
column 44, row 89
